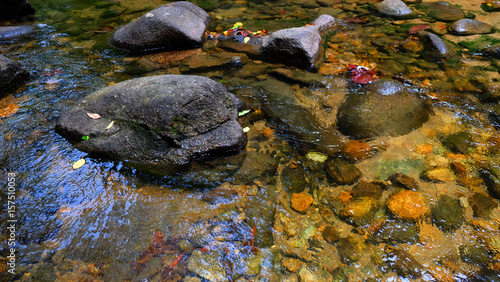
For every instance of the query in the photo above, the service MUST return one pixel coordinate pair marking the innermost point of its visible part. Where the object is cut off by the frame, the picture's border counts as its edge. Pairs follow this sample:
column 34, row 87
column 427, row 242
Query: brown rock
column 358, row 150
column 408, row 205
column 301, row 201
column 291, row 264
column 404, row 181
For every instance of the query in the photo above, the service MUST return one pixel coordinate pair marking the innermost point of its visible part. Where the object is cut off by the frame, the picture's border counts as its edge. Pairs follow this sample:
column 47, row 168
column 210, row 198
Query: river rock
column 403, row 263
column 436, row 47
column 442, row 11
column 408, row 205
column 491, row 6
column 382, row 108
column 301, row 201
column 298, row 46
column 448, row 214
column 207, row 265
column 160, row 121
column 11, row 75
column 470, row 27
column 11, row 32
column 178, row 25
column 208, row 62
column 15, row 9
column 493, row 51
column 342, row 172
column 395, row 9
column 482, row 205
column 325, row 24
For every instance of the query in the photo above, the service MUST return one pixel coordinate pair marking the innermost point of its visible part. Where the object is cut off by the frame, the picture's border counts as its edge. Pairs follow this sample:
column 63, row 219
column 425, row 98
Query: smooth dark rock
column 436, row 47
column 403, row 263
column 301, row 77
column 293, row 180
column 493, row 51
column 476, row 254
column 256, row 165
column 482, row 205
column 299, row 47
column 459, row 142
column 350, row 249
column 11, row 32
column 470, row 27
column 383, row 108
column 404, row 181
column 13, row 9
column 11, row 75
column 161, row 121
column 448, row 214
column 342, row 172
column 178, row 25
column 368, row 189
column 442, row 11
column 396, row 231
column 252, row 51
column 395, row 9
column 491, row 178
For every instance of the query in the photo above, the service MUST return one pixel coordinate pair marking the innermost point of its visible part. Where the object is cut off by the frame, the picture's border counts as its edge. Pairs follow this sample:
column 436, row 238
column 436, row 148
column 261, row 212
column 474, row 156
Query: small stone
column 448, row 214
column 351, row 249
column 360, row 210
column 342, row 172
column 482, row 205
column 206, row 265
column 437, row 47
column 397, row 231
column 470, row 27
column 403, row 181
column 317, row 157
column 475, row 254
column 441, row 174
column 408, row 205
column 291, row 264
column 403, row 263
column 413, row 46
column 358, row 150
column 301, row 201
column 368, row 189
column 308, row 274
column 459, row 142
column 490, row 6
column 293, row 179
column 207, row 62
column 331, row 235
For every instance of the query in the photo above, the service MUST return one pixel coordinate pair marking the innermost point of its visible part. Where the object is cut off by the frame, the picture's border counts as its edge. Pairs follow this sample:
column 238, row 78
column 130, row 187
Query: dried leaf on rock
column 109, row 125
column 93, row 116
column 360, row 74
column 416, row 28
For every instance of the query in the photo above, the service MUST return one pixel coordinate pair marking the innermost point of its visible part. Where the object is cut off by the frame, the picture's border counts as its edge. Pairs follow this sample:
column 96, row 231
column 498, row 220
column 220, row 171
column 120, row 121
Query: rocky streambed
column 293, row 141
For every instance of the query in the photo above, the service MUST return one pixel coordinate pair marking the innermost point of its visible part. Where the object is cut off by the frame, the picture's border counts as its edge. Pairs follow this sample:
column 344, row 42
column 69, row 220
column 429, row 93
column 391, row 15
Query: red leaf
column 361, row 74
column 416, row 28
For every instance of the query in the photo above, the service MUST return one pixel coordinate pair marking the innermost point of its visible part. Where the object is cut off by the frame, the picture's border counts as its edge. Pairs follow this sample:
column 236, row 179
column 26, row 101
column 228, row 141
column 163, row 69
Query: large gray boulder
column 178, row 25
column 470, row 27
column 12, row 9
column 383, row 108
column 11, row 75
column 162, row 122
column 298, row 46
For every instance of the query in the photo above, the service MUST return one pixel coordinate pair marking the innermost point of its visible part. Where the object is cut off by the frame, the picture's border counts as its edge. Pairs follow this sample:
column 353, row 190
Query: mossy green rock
column 448, row 214
column 442, row 11
column 482, row 205
column 475, row 254
column 459, row 142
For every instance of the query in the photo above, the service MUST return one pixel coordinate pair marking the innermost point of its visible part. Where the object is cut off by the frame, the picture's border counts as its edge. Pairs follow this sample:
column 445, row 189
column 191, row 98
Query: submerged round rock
column 383, row 108
column 163, row 121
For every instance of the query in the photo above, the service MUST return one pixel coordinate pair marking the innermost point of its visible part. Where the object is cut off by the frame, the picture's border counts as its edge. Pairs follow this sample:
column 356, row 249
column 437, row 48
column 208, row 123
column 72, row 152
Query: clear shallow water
column 100, row 220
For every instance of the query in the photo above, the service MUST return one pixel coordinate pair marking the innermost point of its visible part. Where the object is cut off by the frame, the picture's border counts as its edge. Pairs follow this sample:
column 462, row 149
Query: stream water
column 109, row 222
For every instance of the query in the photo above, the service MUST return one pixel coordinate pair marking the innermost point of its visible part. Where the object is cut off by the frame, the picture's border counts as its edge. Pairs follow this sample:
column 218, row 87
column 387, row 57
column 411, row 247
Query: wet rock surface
column 12, row 32
column 470, row 27
column 395, row 9
column 442, row 11
column 159, row 120
column 12, row 75
column 165, row 27
column 360, row 114
column 299, row 46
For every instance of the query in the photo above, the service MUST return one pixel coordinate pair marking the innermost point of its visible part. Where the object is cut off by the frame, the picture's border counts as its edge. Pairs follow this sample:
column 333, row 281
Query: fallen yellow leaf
column 78, row 164
column 109, row 125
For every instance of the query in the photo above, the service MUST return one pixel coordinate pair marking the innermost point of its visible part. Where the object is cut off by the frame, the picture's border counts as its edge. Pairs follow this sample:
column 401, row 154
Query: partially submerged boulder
column 470, row 27
column 394, row 9
column 437, row 48
column 298, row 46
column 163, row 122
column 383, row 108
column 13, row 9
column 178, row 25
column 11, row 75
